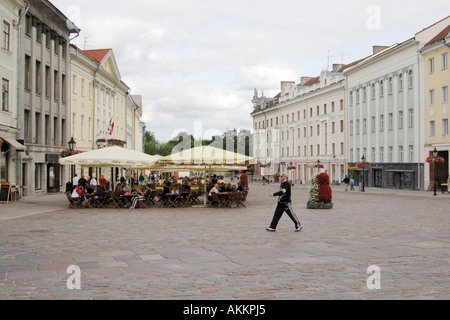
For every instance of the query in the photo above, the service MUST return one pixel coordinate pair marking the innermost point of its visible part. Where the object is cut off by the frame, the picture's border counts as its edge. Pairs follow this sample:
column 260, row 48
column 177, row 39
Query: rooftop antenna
column 86, row 41
column 328, row 60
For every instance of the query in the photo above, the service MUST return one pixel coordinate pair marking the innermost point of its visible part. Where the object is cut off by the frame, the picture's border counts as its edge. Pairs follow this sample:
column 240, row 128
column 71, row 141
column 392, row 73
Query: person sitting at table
column 240, row 188
column 222, row 187
column 78, row 191
column 229, row 188
column 163, row 198
column 100, row 193
column 118, row 193
column 185, row 188
column 215, row 189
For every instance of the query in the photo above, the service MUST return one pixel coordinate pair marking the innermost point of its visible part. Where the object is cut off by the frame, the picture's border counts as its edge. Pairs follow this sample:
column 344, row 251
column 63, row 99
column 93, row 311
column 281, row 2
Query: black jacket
column 285, row 193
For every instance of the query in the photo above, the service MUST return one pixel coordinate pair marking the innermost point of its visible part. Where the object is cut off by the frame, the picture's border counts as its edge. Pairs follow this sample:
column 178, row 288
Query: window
column 373, row 124
column 318, row 130
column 381, row 123
column 5, row 95
column 351, row 127
column 411, row 118
column 444, row 61
column 364, row 94
column 411, row 153
column 400, row 119
column 391, row 121
column 391, row 86
column 445, row 127
column 444, row 94
column 333, row 127
column 357, row 126
column 381, row 88
column 381, row 154
column 48, row 77
column 38, row 77
column 431, row 97
column 410, row 79
column 342, row 148
column 373, row 154
column 400, row 82
column 342, row 126
column 391, row 153
column 38, row 174
column 342, row 105
column 357, row 96
column 74, row 84
column 431, row 129
column 6, row 35
column 400, row 153
column 364, row 126
column 431, row 66
column 351, row 98
column 373, row 91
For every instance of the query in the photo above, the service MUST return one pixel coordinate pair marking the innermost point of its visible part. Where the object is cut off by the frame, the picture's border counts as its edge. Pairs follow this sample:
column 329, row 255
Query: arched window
column 400, row 82
column 410, row 79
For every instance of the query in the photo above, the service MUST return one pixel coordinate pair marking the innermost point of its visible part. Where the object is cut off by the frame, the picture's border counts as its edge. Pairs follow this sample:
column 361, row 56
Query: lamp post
column 72, row 145
column 318, row 166
column 363, row 161
column 435, row 154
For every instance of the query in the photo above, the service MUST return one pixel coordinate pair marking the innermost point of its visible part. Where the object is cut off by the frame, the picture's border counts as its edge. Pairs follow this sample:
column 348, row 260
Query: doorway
column 52, row 178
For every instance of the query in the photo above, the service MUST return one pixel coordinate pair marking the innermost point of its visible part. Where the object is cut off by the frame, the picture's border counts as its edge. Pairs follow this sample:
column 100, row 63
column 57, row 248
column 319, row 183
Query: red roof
column 440, row 36
column 312, row 82
column 98, row 55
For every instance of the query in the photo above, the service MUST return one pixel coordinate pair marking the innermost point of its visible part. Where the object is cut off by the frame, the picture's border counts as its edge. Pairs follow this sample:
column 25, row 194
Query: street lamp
column 363, row 161
column 318, row 166
column 435, row 154
column 72, row 145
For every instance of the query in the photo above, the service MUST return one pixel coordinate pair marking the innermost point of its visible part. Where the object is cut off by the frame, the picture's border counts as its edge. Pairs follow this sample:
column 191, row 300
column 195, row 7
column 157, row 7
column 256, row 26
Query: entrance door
column 52, row 178
column 398, row 180
column 378, row 178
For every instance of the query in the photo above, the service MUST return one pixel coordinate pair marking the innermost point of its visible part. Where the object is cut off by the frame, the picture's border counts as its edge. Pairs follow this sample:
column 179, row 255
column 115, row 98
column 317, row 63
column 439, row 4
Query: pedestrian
column 346, row 181
column 352, row 183
column 284, row 205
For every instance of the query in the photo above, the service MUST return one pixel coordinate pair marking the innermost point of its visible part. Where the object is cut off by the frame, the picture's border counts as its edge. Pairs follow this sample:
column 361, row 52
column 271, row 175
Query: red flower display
column 325, row 193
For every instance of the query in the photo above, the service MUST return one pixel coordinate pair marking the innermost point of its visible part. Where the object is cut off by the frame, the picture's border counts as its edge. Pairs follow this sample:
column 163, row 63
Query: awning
column 15, row 144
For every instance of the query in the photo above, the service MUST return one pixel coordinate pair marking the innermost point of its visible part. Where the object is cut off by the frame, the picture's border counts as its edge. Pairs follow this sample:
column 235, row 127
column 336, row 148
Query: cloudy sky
column 196, row 63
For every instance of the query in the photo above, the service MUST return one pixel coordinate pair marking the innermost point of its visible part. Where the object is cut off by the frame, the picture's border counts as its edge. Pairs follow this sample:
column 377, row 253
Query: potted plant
column 320, row 194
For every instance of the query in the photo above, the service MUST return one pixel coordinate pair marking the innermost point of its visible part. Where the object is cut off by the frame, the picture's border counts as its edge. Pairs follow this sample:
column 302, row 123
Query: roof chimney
column 304, row 80
column 337, row 67
column 377, row 49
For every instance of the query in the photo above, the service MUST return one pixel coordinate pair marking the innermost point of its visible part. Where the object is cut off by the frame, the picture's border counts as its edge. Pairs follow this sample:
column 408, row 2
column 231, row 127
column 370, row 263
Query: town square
column 224, row 151
column 226, row 254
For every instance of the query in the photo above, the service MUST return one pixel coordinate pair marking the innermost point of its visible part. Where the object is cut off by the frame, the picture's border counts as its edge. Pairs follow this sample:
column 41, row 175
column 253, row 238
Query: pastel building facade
column 437, row 108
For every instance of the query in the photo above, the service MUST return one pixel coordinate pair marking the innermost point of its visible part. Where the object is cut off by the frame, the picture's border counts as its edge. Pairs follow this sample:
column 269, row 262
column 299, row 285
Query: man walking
column 284, row 205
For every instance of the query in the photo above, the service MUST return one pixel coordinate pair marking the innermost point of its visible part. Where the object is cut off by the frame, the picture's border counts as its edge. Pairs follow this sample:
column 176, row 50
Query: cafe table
column 171, row 199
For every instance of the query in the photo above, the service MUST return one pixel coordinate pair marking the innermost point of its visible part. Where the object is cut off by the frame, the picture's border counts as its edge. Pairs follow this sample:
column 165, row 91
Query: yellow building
column 437, row 109
column 98, row 101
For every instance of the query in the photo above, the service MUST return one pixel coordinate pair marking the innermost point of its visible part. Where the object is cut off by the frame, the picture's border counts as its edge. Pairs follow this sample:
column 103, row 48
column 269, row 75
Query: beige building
column 43, row 95
column 302, row 125
column 99, row 102
column 11, row 15
column 437, row 108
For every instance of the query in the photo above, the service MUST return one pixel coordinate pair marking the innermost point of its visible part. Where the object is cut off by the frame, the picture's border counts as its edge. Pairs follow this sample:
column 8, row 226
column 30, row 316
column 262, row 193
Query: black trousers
column 281, row 208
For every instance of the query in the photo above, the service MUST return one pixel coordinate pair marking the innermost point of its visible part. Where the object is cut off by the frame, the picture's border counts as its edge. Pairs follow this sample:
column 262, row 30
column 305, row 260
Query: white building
column 11, row 15
column 302, row 125
column 385, row 115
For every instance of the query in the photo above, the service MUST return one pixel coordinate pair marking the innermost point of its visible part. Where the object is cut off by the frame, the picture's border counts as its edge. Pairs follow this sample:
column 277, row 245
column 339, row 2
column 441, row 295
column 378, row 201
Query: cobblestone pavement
column 212, row 254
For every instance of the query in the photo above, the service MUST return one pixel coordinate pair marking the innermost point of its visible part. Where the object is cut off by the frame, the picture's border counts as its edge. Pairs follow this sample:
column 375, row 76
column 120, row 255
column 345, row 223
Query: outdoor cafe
column 173, row 193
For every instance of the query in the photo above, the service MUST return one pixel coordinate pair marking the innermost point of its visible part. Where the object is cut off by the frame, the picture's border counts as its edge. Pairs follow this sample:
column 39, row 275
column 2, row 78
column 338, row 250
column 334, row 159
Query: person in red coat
column 244, row 180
